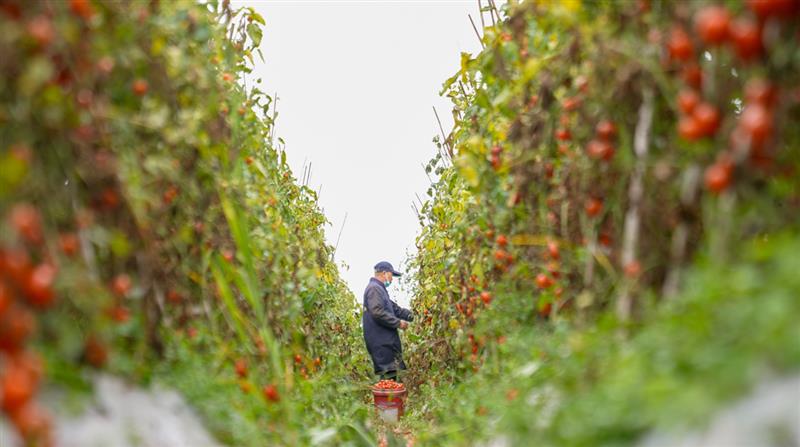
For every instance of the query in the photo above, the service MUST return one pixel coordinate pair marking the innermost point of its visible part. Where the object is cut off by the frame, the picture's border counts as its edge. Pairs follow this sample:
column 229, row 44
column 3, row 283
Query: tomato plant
column 637, row 143
column 146, row 207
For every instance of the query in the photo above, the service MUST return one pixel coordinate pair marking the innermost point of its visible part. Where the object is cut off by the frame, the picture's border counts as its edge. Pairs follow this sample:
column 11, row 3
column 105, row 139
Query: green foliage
column 552, row 266
column 567, row 384
column 129, row 129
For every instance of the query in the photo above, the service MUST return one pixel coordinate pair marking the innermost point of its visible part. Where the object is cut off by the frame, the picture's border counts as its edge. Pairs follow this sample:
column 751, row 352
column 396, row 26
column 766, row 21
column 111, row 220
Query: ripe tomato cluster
column 601, row 147
column 271, row 393
column 27, row 287
column 496, row 161
column 747, row 36
column 28, row 275
column 388, row 384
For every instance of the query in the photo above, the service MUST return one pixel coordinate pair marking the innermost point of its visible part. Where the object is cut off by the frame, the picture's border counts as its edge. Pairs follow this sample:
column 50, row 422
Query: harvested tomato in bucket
column 390, row 397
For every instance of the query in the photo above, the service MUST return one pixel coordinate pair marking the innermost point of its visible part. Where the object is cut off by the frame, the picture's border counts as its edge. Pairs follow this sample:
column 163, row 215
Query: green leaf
column 255, row 33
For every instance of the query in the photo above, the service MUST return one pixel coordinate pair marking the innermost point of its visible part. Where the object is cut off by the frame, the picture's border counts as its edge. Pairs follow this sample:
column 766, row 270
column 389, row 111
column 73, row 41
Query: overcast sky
column 356, row 83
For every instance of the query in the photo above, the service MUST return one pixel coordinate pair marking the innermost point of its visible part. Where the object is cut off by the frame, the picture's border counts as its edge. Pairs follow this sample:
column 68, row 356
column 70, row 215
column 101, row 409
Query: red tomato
column 40, row 29
column 29, row 362
column 119, row 313
column 606, row 130
column 760, row 91
column 707, row 118
column 756, row 121
column 680, row 46
column 563, row 134
column 548, row 170
column 502, row 240
column 227, row 255
column 271, row 393
column 174, row 297
column 773, row 8
column 553, row 267
column 121, row 284
column 689, row 129
column 593, row 207
column 95, row 352
column 388, row 384
column 69, row 243
column 81, row 8
column 241, row 368
column 543, row 281
column 687, row 100
column 5, row 297
column 582, row 83
column 711, row 23
column 571, row 104
column 39, row 287
column 600, row 150
column 552, row 249
column 632, row 269
column 109, row 198
column 140, row 87
column 486, row 297
column 16, row 325
column 26, row 220
column 18, row 386
column 692, row 75
column 496, row 162
column 718, row 177
column 105, row 65
column 17, row 265
column 170, row 194
column 33, row 423
column 545, row 310
column 746, row 37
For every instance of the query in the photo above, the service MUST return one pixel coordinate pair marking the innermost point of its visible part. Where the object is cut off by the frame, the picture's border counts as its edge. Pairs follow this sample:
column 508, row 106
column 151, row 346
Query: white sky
column 356, row 82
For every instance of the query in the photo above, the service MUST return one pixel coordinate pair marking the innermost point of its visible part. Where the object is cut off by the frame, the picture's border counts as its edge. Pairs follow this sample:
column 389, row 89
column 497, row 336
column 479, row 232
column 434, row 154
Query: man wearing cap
column 382, row 317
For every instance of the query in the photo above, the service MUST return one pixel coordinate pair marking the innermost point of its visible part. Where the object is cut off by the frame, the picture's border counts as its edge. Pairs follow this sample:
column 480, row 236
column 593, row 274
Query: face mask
column 387, row 283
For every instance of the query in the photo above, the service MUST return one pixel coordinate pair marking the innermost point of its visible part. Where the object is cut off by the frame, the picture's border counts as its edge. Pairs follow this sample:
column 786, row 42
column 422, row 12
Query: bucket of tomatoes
column 390, row 397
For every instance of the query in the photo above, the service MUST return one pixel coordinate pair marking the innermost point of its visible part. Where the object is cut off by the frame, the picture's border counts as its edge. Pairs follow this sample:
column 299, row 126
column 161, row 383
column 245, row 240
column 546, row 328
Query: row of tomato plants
column 597, row 147
column 145, row 203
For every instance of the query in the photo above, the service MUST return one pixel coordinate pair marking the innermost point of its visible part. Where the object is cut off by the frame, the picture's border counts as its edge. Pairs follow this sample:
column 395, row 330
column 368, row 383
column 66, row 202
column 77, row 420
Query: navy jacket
column 381, row 319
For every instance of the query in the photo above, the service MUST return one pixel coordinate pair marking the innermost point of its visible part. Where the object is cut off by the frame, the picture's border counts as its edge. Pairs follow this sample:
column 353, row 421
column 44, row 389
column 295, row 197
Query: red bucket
column 389, row 403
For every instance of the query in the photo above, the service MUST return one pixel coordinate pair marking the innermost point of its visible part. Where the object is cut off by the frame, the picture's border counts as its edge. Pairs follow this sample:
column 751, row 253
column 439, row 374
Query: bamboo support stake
column 480, row 39
column 274, row 115
column 680, row 237
column 336, row 247
column 641, row 145
column 445, row 141
column 494, row 11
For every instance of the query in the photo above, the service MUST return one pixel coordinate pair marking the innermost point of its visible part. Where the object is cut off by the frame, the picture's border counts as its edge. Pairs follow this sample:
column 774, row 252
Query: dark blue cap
column 384, row 266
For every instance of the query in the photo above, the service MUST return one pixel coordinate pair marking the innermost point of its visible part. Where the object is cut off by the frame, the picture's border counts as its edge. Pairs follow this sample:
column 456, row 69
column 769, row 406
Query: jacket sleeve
column 403, row 314
column 376, row 308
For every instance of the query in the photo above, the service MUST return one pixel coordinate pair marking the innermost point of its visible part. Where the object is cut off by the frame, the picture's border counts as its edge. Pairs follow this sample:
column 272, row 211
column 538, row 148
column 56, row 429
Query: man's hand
column 403, row 324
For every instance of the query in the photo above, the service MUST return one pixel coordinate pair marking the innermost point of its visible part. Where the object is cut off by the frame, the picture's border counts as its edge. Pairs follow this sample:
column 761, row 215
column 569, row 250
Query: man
column 382, row 317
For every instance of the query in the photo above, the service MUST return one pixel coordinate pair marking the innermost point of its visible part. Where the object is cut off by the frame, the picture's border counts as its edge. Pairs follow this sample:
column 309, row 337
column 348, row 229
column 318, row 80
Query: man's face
column 387, row 277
